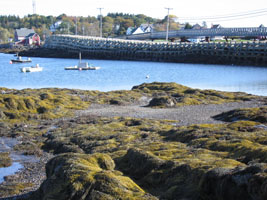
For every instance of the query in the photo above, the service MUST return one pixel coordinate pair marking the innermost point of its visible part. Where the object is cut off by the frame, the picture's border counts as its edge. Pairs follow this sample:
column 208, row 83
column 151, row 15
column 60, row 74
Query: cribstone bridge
column 250, row 53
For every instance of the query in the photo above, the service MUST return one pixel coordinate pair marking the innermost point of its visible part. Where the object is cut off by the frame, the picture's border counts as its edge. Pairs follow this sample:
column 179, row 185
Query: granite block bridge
column 248, row 53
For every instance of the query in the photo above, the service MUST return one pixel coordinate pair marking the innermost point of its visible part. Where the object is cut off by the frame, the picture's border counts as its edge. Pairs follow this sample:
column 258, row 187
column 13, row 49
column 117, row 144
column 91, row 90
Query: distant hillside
column 114, row 24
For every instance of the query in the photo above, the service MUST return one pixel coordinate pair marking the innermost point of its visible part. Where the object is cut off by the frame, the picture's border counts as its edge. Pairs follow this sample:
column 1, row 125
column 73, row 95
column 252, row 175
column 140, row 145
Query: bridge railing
column 229, row 32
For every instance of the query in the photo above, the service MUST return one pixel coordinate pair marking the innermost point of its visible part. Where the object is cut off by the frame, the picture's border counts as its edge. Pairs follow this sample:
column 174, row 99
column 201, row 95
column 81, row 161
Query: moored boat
column 35, row 68
column 20, row 60
column 82, row 66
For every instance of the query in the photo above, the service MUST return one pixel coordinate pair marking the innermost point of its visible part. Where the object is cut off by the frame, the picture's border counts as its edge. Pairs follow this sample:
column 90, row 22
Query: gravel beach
column 186, row 115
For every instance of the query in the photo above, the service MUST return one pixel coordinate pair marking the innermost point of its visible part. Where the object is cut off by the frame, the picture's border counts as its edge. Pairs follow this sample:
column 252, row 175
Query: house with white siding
column 143, row 28
column 53, row 28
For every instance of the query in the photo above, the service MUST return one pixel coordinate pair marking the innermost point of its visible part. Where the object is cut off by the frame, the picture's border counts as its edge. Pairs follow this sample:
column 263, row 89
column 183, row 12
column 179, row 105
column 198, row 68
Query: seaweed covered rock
column 81, row 176
column 245, row 183
column 139, row 163
column 160, row 87
column 165, row 160
column 251, row 114
column 27, row 104
column 28, row 148
column 173, row 94
column 174, row 180
column 162, row 102
column 5, row 160
column 164, row 178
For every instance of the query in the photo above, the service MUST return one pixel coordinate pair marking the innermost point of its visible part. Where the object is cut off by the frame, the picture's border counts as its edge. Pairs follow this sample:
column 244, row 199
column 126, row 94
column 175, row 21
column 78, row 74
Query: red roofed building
column 26, row 36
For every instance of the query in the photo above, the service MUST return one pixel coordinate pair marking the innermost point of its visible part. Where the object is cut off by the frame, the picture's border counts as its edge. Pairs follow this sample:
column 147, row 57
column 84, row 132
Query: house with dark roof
column 26, row 36
column 197, row 27
column 196, row 39
column 216, row 26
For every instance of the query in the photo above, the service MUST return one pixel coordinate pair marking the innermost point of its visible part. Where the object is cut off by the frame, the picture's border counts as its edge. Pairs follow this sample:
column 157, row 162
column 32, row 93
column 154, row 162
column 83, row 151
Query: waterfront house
column 54, row 27
column 21, row 34
column 143, row 28
column 26, row 36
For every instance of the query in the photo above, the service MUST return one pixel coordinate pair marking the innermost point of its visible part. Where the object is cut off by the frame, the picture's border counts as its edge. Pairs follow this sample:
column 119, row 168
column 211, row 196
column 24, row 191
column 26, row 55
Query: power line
column 248, row 13
column 223, row 20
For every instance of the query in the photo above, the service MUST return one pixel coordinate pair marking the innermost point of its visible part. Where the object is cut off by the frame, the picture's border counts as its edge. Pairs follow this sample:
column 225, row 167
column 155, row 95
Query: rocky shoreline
column 156, row 141
column 32, row 174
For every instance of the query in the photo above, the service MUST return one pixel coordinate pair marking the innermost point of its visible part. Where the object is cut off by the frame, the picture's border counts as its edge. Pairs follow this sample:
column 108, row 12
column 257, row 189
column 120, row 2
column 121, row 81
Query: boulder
column 139, row 163
column 76, row 176
column 162, row 102
column 247, row 183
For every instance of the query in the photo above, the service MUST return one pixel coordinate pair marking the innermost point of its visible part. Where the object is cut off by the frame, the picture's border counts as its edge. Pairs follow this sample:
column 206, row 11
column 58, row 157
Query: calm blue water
column 116, row 75
column 6, row 171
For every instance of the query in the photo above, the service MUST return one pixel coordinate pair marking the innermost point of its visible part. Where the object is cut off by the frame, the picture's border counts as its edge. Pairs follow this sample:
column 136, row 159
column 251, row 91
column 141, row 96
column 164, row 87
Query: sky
column 183, row 9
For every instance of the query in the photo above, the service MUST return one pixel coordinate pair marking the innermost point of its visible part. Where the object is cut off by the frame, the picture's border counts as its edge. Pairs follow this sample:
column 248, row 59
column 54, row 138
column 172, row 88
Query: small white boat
column 35, row 68
column 82, row 66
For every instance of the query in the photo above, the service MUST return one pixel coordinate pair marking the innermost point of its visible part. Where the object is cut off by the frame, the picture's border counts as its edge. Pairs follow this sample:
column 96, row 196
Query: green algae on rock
column 50, row 103
column 13, row 188
column 29, row 104
column 5, row 160
column 173, row 94
column 81, row 176
column 167, row 161
column 252, row 114
column 129, row 158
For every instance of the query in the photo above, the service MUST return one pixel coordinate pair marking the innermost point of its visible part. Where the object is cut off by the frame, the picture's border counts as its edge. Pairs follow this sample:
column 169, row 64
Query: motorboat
column 35, row 68
column 20, row 60
column 82, row 66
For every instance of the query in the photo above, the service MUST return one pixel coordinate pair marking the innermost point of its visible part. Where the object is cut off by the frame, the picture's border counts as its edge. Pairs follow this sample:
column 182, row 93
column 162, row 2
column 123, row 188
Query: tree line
column 114, row 24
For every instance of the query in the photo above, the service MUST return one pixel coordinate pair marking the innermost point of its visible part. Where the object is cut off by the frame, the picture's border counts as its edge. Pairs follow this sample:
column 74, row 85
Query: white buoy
column 147, row 76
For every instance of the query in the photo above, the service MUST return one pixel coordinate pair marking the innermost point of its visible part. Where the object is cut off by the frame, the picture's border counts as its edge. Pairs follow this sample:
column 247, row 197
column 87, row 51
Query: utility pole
column 167, row 31
column 76, row 26
column 100, row 21
column 34, row 7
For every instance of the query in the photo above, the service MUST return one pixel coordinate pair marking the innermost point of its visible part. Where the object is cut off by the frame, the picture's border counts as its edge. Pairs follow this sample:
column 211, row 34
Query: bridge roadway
column 228, row 32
